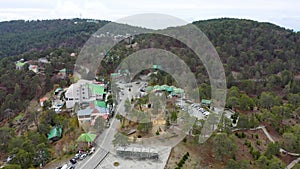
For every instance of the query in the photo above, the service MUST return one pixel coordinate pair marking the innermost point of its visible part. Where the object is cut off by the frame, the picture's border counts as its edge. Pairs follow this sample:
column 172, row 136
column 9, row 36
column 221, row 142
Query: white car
column 92, row 150
column 206, row 113
column 83, row 156
column 64, row 166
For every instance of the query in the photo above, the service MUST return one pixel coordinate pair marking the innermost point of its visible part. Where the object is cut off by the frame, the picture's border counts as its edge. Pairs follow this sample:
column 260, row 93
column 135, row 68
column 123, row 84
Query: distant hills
column 253, row 49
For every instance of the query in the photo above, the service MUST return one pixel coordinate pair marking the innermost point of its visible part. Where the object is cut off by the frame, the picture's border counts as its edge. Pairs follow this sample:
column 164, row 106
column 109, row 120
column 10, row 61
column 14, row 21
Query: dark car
column 73, row 161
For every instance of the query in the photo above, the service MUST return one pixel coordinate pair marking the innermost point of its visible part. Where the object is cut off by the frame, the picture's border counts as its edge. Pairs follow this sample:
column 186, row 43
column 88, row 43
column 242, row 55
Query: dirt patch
column 287, row 159
column 201, row 156
column 260, row 142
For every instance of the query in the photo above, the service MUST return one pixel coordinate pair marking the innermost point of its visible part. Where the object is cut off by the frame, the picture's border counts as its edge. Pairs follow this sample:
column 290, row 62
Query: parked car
column 77, row 156
column 73, row 161
column 92, row 150
column 65, row 166
column 206, row 113
column 107, row 125
column 71, row 167
column 83, row 156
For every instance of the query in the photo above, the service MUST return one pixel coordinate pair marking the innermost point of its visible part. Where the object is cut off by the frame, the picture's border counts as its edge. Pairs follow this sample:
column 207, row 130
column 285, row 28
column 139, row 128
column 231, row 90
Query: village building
column 93, row 111
column 55, row 133
column 20, row 64
column 34, row 68
column 84, row 91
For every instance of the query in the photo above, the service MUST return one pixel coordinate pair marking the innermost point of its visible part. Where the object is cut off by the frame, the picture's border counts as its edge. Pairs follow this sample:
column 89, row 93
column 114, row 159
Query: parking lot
column 194, row 109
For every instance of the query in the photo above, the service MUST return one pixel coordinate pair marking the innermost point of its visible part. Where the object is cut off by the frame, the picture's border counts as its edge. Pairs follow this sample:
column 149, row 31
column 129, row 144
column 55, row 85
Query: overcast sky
column 285, row 13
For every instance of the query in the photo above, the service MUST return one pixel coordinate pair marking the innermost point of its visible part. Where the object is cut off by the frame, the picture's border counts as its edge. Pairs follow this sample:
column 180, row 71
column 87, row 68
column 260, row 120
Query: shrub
column 258, row 142
column 243, row 135
column 116, row 164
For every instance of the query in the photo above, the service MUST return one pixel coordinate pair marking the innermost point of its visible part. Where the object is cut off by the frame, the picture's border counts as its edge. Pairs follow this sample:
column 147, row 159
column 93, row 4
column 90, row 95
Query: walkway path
column 293, row 163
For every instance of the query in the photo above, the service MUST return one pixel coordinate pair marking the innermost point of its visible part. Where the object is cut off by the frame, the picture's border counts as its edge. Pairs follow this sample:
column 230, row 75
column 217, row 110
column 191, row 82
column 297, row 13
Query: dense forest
column 261, row 61
column 22, row 36
column 254, row 50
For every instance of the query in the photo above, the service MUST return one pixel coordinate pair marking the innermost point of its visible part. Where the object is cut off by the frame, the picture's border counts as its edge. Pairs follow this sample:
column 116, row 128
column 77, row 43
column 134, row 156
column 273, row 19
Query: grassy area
column 20, row 116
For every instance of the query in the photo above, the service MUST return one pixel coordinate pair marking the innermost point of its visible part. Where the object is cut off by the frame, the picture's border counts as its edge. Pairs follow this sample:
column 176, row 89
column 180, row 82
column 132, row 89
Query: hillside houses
column 93, row 111
column 37, row 66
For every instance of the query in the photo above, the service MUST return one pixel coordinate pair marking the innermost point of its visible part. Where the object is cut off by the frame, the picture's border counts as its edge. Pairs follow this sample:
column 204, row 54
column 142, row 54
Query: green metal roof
column 169, row 89
column 204, row 101
column 55, row 132
column 86, row 137
column 156, row 67
column 100, row 103
column 172, row 89
column 63, row 70
column 20, row 64
column 96, row 89
column 115, row 74
column 58, row 90
column 177, row 91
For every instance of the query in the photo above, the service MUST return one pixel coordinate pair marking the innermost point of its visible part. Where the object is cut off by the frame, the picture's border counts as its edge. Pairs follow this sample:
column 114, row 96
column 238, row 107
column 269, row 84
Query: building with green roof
column 85, row 91
column 171, row 89
column 156, row 67
column 20, row 65
column 206, row 102
column 55, row 133
column 100, row 103
column 64, row 70
column 57, row 90
column 97, row 89
column 115, row 75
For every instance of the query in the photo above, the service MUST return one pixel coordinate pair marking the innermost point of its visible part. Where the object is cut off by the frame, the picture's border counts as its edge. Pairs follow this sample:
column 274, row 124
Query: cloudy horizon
column 283, row 13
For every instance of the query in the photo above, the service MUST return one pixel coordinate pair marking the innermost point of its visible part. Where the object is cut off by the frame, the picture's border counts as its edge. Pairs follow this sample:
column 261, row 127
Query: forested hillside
column 17, row 37
column 255, row 49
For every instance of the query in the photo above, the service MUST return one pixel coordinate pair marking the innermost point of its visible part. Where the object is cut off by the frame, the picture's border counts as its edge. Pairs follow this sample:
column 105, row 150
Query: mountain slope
column 263, row 48
column 17, row 37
